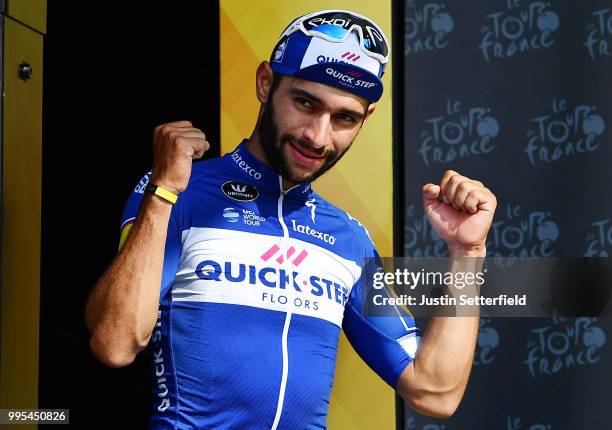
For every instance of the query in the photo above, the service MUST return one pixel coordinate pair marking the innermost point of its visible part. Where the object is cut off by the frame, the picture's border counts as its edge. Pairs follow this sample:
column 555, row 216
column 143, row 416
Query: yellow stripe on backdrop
column 361, row 183
column 20, row 236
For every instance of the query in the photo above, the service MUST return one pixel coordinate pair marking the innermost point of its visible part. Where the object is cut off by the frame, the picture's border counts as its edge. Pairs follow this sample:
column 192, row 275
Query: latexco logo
column 565, row 131
column 458, row 133
column 245, row 166
column 239, row 191
column 518, row 28
column 426, row 28
column 599, row 34
column 306, row 230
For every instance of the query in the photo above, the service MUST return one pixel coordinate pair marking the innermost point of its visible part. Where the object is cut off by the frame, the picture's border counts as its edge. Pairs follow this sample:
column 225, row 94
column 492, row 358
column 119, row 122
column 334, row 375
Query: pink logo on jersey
column 281, row 258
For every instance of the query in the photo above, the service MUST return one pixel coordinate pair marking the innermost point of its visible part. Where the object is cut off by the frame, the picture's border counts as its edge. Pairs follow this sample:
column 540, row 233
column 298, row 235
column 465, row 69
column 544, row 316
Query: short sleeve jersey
column 257, row 284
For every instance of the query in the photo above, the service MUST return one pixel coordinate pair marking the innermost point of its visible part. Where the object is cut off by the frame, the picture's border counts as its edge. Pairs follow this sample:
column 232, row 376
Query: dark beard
column 271, row 143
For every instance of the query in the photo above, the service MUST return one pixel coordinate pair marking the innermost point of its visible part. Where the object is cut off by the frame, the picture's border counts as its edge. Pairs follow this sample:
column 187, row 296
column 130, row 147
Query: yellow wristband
column 161, row 192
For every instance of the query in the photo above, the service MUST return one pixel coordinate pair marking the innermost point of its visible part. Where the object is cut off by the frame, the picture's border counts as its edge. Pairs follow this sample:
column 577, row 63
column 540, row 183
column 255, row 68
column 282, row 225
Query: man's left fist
column 460, row 210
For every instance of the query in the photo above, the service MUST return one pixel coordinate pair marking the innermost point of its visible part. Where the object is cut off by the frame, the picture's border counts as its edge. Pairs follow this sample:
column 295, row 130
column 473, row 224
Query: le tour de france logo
column 426, row 28
column 423, row 423
column 488, row 340
column 420, row 240
column 516, row 234
column 459, row 132
column 599, row 34
column 518, row 28
column 563, row 344
column 599, row 238
column 565, row 131
column 412, row 423
column 514, row 422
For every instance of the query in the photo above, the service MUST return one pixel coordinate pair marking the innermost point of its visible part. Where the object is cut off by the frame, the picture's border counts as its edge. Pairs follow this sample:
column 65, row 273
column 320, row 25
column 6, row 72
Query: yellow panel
column 21, row 194
column 33, row 13
column 361, row 183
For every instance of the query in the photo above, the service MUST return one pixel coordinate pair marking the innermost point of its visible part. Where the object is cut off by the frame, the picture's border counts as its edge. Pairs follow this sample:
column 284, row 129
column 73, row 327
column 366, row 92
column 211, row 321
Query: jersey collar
column 263, row 176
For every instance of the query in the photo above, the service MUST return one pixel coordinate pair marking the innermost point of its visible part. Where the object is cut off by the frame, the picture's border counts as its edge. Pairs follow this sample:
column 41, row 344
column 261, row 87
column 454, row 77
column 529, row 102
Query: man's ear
column 263, row 81
column 369, row 112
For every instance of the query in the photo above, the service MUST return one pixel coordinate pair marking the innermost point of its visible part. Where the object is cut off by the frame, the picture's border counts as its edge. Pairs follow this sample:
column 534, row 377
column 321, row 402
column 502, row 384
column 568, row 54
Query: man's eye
column 303, row 102
column 347, row 118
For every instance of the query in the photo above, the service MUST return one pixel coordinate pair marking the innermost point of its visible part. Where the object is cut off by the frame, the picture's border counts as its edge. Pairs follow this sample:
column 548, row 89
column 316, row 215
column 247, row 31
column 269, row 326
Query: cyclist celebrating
column 239, row 276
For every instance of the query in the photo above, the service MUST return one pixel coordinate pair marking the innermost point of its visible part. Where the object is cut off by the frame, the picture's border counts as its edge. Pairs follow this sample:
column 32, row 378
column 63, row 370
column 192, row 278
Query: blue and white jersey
column 257, row 284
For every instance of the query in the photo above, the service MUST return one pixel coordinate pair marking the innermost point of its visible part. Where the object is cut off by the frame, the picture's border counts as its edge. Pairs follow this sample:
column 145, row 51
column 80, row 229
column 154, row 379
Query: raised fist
column 175, row 146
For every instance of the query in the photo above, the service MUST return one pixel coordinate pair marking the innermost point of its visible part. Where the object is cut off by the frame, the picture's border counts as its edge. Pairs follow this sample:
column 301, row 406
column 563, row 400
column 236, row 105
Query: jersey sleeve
column 173, row 245
column 386, row 339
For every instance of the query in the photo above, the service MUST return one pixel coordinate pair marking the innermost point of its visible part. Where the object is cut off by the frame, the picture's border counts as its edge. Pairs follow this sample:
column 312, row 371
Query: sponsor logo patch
column 239, row 191
column 247, row 216
column 231, row 215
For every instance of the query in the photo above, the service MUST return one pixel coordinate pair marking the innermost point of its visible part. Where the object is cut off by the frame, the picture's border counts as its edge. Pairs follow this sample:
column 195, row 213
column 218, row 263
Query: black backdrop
column 518, row 94
column 113, row 70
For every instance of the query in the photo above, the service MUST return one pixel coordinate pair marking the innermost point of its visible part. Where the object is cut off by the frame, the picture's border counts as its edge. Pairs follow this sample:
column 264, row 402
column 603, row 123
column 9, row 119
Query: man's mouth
column 303, row 156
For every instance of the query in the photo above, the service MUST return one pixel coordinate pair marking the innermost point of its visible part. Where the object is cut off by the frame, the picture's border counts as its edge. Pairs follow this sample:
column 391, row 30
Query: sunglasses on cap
column 336, row 25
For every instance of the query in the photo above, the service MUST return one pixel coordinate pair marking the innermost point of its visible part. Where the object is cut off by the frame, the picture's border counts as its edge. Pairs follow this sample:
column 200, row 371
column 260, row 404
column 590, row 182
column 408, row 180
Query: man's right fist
column 175, row 145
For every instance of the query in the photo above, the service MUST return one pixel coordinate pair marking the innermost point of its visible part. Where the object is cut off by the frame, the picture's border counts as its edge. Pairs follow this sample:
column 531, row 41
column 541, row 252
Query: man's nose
column 317, row 130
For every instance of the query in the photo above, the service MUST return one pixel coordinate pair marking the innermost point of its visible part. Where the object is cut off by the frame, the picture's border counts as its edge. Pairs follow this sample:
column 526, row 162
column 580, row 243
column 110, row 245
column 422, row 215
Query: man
column 241, row 285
